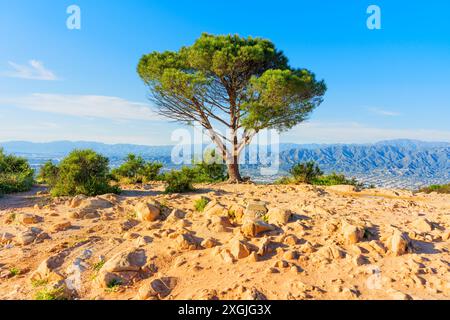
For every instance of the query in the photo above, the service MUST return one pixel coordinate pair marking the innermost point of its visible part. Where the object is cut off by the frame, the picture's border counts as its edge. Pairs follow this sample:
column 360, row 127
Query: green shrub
column 16, row 174
column 83, row 172
column 50, row 294
column 445, row 188
column 210, row 169
column 305, row 172
column 136, row 170
column 200, row 204
column 179, row 181
column 48, row 173
column 310, row 173
column 335, row 179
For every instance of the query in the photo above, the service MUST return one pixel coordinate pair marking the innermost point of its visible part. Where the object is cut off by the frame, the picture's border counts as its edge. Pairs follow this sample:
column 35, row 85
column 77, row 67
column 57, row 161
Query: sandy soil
column 303, row 242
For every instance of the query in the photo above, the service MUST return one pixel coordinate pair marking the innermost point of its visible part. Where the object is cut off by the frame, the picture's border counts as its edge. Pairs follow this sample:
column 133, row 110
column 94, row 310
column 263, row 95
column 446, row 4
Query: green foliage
column 48, row 173
column 179, row 181
column 113, row 285
column 16, row 174
column 305, row 172
column 50, row 294
column 445, row 188
column 83, row 172
column 200, row 204
column 136, row 170
column 310, row 173
column 15, row 271
column 238, row 82
column 210, row 169
column 335, row 179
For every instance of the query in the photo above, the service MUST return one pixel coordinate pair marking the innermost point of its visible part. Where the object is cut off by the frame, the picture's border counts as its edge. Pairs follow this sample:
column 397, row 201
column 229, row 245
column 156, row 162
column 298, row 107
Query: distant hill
column 397, row 163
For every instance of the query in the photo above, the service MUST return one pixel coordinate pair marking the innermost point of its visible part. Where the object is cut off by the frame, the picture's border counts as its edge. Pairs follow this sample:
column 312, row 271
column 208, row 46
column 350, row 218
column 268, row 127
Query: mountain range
column 393, row 163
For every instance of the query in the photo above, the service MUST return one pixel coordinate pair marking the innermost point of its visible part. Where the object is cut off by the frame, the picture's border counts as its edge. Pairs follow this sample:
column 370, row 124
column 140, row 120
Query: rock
column 26, row 237
column 147, row 211
column 279, row 216
column 351, row 234
column 398, row 243
column 359, row 260
column 265, row 247
column 446, row 235
column 187, row 241
column 158, row 288
column 398, row 295
column 177, row 214
column 290, row 255
column 61, row 226
column 209, row 243
column 215, row 210
column 253, row 228
column 422, row 225
column 239, row 249
column 130, row 260
column 290, row 240
column 6, row 237
column 236, row 212
column 330, row 226
column 47, row 269
column 255, row 210
column 307, row 247
column 220, row 224
column 226, row 256
column 77, row 200
column 254, row 294
column 26, row 218
column 331, row 252
column 104, row 279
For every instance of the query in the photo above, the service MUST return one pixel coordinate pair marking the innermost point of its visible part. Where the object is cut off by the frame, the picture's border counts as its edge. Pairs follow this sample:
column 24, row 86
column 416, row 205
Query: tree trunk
column 233, row 172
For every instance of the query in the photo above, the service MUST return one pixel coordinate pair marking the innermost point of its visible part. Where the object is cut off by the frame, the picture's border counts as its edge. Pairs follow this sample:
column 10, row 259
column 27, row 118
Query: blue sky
column 57, row 83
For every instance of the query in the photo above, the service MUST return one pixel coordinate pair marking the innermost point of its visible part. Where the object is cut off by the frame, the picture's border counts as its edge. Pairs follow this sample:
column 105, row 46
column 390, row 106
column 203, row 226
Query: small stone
column 279, row 216
column 239, row 249
column 209, row 243
column 398, row 243
column 187, row 241
column 422, row 225
column 147, row 211
column 253, row 228
column 351, row 234
column 61, row 226
column 26, row 218
column 130, row 260
column 291, row 240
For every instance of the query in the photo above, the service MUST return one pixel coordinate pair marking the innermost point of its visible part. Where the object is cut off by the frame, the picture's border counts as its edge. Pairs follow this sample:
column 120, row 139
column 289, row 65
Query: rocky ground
column 250, row 242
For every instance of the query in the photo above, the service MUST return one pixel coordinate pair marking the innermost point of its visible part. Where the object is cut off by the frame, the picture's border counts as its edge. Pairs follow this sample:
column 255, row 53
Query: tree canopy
column 242, row 84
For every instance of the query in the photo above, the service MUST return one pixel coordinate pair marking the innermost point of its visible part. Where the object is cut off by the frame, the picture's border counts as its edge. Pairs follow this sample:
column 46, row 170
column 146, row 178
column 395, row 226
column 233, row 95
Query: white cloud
column 382, row 112
column 105, row 107
column 35, row 70
column 351, row 132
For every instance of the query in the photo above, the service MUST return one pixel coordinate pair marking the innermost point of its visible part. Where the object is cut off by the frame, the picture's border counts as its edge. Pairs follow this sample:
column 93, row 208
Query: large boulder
column 147, row 211
column 130, row 260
